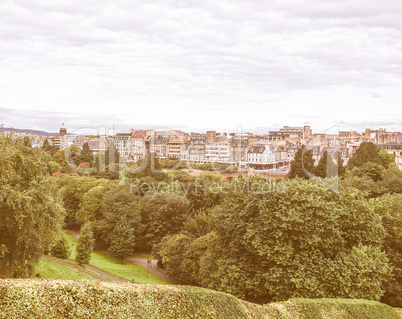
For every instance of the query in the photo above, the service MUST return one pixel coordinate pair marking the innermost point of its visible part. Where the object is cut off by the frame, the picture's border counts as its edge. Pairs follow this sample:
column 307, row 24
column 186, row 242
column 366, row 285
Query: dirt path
column 143, row 262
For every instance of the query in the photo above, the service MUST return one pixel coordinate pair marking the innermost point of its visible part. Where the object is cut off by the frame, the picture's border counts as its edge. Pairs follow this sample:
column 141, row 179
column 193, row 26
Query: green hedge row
column 32, row 298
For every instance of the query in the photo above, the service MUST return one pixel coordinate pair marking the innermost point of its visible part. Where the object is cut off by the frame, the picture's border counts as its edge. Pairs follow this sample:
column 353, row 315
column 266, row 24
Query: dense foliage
column 304, row 242
column 31, row 212
column 122, row 239
column 61, row 248
column 85, row 245
column 84, row 299
column 390, row 209
column 303, row 163
column 255, row 237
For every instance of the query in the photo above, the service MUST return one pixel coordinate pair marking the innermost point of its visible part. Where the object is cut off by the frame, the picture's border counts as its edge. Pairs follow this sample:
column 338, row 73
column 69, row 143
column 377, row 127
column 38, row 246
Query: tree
column 369, row 169
column 326, row 166
column 391, row 179
column 162, row 214
column 85, row 245
column 55, row 167
column 86, row 153
column 305, row 241
column 31, row 210
column 27, row 141
column 61, row 248
column 148, row 167
column 340, row 162
column 365, row 184
column 302, row 164
column 106, row 163
column 366, row 153
column 91, row 205
column 51, row 149
column 122, row 239
column 73, row 156
column 117, row 202
column 387, row 160
column 390, row 209
column 60, row 158
column 112, row 155
column 72, row 189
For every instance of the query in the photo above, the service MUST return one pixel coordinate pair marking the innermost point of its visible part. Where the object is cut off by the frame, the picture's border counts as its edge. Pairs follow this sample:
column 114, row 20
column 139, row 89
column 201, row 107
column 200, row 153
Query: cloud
column 117, row 56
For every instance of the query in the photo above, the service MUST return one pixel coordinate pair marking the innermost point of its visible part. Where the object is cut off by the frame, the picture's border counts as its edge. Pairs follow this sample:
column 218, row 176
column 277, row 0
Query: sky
column 226, row 65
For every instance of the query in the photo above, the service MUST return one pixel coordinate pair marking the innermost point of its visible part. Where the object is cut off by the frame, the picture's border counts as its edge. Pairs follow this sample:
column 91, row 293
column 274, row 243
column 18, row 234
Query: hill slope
column 21, row 298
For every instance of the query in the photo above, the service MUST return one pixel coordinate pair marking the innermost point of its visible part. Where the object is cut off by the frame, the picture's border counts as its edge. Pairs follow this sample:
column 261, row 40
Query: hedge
column 32, row 298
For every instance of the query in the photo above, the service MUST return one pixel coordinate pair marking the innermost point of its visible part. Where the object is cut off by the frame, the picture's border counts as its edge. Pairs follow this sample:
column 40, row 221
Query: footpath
column 143, row 262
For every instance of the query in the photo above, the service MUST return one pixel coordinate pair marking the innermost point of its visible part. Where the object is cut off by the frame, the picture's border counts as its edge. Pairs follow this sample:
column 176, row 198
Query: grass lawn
column 143, row 254
column 115, row 267
column 51, row 270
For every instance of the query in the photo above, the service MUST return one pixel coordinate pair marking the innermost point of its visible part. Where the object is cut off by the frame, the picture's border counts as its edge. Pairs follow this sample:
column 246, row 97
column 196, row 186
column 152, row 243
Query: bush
column 85, row 299
column 232, row 168
column 61, row 248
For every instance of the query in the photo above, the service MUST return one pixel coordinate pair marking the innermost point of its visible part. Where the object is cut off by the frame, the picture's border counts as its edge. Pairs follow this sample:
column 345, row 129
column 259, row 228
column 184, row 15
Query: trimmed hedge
column 30, row 298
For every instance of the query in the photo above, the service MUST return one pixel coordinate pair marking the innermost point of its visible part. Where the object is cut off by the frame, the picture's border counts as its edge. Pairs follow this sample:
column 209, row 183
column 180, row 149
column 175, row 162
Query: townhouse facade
column 261, row 157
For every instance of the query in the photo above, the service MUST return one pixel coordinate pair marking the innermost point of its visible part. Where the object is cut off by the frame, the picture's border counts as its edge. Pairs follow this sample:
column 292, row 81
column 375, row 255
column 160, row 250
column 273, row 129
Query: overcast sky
column 199, row 65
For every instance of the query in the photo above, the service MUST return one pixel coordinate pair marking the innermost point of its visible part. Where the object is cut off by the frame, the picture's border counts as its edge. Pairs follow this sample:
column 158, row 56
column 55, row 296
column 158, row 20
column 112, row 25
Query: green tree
column 122, row 241
column 73, row 156
column 326, row 166
column 60, row 158
column 90, row 208
column 55, row 167
column 61, row 248
column 366, row 153
column 390, row 209
column 112, row 155
column 391, row 179
column 365, row 184
column 162, row 214
column 49, row 148
column 302, row 164
column 86, row 153
column 387, row 160
column 30, row 208
column 106, row 163
column 27, row 141
column 72, row 189
column 148, row 167
column 85, row 245
column 369, row 169
column 340, row 164
column 117, row 202
column 303, row 242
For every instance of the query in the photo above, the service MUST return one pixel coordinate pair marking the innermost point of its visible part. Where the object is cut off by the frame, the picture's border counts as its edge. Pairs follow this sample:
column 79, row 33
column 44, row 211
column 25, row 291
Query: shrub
column 61, row 248
column 85, row 299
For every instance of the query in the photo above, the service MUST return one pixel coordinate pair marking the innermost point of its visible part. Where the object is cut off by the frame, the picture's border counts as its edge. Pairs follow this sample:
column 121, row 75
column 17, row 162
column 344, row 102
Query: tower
column 63, row 130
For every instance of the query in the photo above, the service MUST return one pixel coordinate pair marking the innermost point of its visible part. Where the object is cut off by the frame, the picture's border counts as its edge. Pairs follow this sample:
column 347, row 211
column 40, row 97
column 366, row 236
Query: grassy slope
column 115, row 267
column 50, row 270
column 85, row 299
column 143, row 254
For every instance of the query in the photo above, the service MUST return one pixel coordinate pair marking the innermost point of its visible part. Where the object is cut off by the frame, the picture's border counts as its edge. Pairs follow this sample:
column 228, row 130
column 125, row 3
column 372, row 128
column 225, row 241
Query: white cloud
column 200, row 64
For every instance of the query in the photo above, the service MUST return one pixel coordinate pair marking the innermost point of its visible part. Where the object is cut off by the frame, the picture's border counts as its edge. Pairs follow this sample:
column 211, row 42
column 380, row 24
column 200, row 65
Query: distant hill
column 28, row 131
column 32, row 298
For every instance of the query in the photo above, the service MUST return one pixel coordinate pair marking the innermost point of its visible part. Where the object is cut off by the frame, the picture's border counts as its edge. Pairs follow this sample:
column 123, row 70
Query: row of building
column 273, row 150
